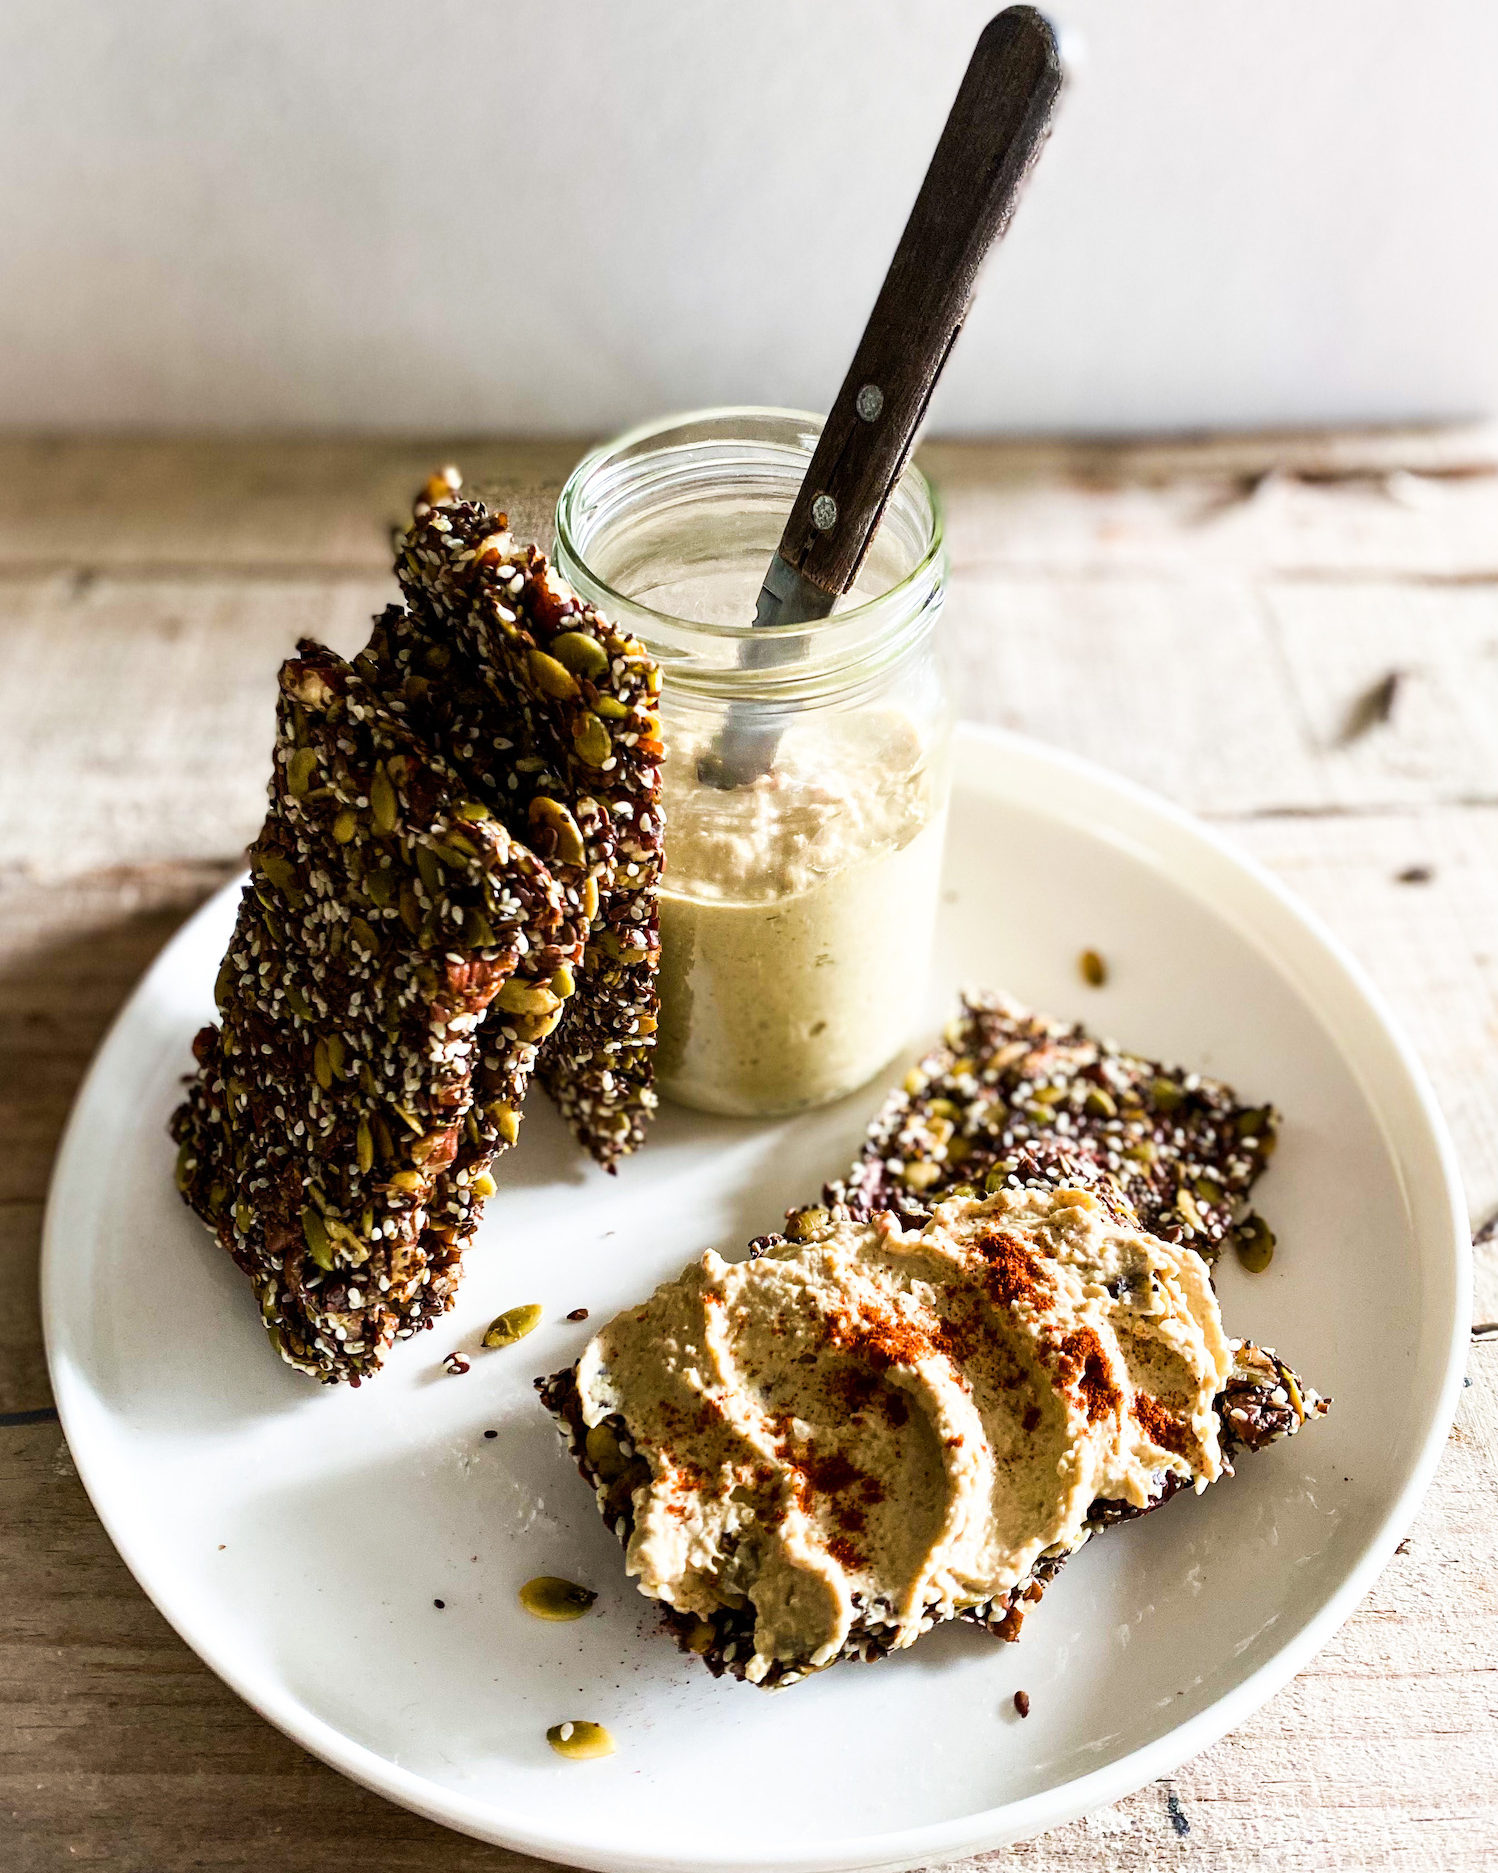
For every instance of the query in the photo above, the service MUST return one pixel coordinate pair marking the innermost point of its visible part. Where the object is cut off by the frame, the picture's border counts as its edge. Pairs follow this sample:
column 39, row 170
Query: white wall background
column 563, row 215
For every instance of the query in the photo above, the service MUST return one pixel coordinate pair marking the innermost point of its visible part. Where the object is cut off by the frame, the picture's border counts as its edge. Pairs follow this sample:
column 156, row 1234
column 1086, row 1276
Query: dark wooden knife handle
column 997, row 124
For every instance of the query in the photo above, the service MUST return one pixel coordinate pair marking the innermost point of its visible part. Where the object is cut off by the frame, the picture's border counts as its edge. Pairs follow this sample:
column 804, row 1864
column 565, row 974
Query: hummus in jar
column 888, row 1426
column 796, row 916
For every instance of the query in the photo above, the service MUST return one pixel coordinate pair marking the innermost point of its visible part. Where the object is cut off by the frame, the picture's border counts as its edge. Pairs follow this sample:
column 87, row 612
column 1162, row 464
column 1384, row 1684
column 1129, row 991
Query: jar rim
column 859, row 617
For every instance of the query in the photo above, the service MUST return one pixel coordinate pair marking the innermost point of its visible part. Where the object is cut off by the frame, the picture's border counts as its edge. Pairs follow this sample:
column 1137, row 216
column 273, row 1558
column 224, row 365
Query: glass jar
column 807, row 766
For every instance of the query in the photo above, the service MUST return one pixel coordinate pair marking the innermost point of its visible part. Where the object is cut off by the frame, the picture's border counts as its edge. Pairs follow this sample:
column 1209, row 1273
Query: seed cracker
column 1182, row 1149
column 551, row 713
column 387, row 914
column 1263, row 1402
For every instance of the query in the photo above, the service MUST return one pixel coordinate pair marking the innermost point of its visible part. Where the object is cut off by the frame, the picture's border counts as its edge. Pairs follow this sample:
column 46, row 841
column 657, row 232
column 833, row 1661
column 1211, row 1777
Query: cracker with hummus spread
column 550, row 714
column 387, row 915
column 1181, row 1147
column 824, row 1451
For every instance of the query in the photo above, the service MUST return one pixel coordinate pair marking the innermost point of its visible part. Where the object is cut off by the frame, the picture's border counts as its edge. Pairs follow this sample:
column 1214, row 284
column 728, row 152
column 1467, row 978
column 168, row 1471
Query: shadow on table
column 71, row 951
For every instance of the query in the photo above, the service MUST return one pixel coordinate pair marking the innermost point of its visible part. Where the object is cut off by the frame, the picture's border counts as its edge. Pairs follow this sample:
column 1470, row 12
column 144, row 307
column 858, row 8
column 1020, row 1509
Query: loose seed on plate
column 550, row 1597
column 580, row 1741
column 1094, row 969
column 512, row 1325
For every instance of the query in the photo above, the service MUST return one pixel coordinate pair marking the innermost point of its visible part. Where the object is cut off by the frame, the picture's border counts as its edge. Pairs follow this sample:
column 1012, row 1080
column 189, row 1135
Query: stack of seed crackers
column 453, row 892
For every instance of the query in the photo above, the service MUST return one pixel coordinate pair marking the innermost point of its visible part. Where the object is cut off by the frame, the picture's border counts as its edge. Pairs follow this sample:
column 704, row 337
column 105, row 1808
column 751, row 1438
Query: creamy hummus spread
column 796, row 916
column 885, row 1426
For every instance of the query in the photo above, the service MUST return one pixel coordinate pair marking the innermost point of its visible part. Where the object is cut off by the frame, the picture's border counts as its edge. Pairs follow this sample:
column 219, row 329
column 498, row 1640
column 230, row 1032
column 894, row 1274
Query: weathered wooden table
column 1222, row 620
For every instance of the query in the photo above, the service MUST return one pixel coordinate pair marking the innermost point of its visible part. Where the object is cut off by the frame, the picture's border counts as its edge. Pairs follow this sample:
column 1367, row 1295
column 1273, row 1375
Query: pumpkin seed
column 1166, row 1094
column 315, row 1230
column 581, row 654
column 299, row 771
column 550, row 677
column 551, row 814
column 474, row 811
column 548, row 1596
column 505, row 1120
column 1254, row 1241
column 322, row 1070
column 563, row 982
column 802, row 1225
column 282, row 874
column 379, row 887
column 382, row 803
column 1186, row 1209
column 591, row 740
column 345, row 825
column 363, row 934
column 364, row 1146
column 590, row 896
column 579, row 1741
column 297, row 1002
column 611, row 709
column 430, row 867
column 355, row 1250
column 604, row 1454
column 1102, row 1105
column 483, row 1186
column 525, row 998
column 513, row 1324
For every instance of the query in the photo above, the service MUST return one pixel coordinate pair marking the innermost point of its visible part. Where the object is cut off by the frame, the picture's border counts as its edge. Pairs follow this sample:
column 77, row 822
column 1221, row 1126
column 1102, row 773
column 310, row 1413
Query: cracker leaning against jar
column 385, row 916
column 551, row 714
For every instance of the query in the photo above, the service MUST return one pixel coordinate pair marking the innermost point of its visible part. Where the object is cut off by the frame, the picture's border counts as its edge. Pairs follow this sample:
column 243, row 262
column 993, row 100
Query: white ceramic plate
column 298, row 1537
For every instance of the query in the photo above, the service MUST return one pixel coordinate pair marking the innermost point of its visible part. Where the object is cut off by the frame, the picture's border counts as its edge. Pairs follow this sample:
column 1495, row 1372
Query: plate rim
column 1022, row 759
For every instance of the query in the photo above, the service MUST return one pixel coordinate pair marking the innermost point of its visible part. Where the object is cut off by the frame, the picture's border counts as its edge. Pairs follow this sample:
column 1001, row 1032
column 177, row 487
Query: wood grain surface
column 1219, row 619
